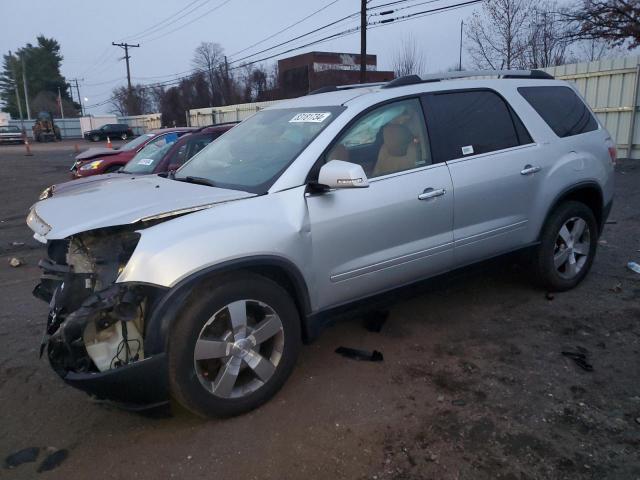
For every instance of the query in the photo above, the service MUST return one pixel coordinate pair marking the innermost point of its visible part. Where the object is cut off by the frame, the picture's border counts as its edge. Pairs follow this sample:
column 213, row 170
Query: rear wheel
column 567, row 248
column 233, row 346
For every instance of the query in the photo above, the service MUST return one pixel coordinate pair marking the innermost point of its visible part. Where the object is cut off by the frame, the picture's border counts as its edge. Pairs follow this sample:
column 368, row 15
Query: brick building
column 301, row 74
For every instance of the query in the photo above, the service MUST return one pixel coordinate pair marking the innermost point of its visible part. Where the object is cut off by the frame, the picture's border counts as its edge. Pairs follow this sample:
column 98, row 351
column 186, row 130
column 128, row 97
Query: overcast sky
column 85, row 30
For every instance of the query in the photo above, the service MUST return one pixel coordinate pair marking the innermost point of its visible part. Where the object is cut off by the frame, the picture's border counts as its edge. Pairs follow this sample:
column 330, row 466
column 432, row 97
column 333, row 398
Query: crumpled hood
column 96, row 152
column 120, row 200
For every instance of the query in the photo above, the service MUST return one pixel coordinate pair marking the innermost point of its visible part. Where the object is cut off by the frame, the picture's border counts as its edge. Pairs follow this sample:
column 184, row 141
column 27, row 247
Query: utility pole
column 363, row 41
column 126, row 47
column 15, row 85
column 24, row 83
column 60, row 104
column 78, row 91
column 460, row 62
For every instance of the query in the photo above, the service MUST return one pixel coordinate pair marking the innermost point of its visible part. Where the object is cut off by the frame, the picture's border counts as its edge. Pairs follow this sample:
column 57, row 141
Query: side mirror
column 340, row 174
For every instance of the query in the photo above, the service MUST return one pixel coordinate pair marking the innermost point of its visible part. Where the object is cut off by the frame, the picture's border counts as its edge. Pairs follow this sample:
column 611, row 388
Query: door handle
column 529, row 169
column 431, row 193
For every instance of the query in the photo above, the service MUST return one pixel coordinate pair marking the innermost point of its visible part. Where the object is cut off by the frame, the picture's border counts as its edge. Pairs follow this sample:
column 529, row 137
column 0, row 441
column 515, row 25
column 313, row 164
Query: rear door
column 396, row 231
column 494, row 165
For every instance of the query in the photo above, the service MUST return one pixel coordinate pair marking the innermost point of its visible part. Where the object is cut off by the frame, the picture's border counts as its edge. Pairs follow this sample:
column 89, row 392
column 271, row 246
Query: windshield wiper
column 196, row 180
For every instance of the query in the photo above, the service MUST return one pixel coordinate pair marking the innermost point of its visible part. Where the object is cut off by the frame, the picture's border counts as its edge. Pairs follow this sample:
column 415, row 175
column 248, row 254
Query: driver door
column 396, row 231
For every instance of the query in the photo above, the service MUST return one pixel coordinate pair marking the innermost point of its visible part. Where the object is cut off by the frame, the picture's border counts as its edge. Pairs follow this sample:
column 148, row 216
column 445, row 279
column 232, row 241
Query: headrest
column 396, row 139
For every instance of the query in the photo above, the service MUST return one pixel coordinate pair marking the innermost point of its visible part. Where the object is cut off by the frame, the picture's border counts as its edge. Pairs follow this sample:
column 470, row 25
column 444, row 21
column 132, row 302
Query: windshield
column 136, row 142
column 146, row 163
column 9, row 129
column 253, row 154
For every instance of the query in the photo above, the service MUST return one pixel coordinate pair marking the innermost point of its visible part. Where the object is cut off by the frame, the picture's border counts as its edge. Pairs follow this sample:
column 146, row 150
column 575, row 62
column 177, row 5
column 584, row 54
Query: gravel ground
column 473, row 384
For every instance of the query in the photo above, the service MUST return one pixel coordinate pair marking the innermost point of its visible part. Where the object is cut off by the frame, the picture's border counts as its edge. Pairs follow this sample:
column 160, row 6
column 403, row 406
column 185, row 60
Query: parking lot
column 473, row 383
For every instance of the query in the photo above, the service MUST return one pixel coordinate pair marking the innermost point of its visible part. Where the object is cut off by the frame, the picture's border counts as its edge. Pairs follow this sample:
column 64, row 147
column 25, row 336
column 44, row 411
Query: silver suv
column 201, row 284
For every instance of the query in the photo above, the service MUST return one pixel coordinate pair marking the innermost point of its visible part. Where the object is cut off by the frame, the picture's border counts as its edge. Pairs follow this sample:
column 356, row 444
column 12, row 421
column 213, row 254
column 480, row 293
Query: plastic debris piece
column 17, row 244
column 364, row 355
column 580, row 358
column 374, row 320
column 458, row 403
column 15, row 262
column 53, row 460
column 617, row 288
column 25, row 455
column 633, row 266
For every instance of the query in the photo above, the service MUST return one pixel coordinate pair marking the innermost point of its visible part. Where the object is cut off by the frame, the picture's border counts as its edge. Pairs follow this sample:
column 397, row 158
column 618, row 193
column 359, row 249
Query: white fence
column 75, row 127
column 611, row 88
column 230, row 113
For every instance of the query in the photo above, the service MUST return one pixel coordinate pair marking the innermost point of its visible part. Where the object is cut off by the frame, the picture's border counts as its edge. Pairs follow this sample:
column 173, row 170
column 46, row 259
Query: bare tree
column 615, row 21
column 409, row 58
column 595, row 49
column 207, row 58
column 548, row 36
column 497, row 36
column 135, row 102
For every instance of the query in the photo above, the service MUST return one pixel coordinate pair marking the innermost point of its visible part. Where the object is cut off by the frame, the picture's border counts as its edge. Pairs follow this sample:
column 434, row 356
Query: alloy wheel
column 239, row 349
column 572, row 247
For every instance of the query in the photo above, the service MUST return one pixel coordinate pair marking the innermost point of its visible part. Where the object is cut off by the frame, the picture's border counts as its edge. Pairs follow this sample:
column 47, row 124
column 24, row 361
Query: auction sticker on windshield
column 145, row 161
column 312, row 117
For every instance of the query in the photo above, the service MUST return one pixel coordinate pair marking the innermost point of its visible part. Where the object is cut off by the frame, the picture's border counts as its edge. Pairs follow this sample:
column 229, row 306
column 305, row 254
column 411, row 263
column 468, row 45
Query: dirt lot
column 473, row 384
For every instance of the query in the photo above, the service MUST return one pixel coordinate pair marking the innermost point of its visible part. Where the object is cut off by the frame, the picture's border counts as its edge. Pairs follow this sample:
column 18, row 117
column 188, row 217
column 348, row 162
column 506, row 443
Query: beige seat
column 399, row 151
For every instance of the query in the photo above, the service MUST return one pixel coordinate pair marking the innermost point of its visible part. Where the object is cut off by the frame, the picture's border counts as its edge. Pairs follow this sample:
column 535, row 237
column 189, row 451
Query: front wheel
column 567, row 247
column 95, row 138
column 233, row 346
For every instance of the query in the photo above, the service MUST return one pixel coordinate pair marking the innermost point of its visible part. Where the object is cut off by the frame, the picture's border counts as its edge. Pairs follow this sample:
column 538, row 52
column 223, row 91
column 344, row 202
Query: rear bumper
column 138, row 386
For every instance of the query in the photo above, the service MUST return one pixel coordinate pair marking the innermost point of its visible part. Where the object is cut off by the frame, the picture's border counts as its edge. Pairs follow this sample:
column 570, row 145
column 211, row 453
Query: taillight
column 613, row 154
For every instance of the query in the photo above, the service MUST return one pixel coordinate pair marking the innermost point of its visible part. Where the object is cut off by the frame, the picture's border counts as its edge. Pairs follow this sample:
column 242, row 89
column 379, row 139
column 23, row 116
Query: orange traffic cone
column 26, row 144
column 109, row 145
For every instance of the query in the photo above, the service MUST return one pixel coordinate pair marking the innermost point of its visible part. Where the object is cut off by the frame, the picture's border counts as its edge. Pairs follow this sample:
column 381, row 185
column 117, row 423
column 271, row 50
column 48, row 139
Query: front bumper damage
column 95, row 331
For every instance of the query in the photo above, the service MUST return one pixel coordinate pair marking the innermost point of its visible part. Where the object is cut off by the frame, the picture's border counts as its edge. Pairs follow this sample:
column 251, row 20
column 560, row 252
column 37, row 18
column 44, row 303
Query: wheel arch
column 278, row 269
column 589, row 193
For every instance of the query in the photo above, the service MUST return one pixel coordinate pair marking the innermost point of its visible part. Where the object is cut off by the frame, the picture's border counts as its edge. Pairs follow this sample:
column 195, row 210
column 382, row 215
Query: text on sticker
column 312, row 117
column 145, row 161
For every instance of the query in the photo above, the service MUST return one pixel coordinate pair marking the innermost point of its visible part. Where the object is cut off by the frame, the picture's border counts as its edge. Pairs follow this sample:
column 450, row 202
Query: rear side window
column 561, row 108
column 471, row 122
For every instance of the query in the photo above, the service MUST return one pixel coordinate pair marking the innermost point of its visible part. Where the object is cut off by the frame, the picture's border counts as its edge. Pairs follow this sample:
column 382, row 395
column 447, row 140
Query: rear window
column 561, row 108
column 472, row 122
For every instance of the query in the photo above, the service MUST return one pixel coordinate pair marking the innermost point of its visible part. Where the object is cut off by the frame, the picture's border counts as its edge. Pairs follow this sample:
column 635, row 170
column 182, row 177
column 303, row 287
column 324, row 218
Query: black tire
column 185, row 384
column 547, row 274
column 124, row 136
column 95, row 138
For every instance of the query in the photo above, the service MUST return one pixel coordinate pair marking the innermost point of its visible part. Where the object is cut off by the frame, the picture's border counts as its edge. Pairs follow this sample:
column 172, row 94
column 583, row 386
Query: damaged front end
column 95, row 330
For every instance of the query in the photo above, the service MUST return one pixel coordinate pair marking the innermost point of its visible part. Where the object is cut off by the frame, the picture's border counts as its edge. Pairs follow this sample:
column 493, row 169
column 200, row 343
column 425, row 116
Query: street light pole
column 363, row 41
column 460, row 62
column 24, row 83
column 15, row 86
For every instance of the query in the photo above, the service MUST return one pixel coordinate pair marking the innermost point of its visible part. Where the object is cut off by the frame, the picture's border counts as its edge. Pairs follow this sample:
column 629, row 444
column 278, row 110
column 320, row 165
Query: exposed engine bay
column 94, row 324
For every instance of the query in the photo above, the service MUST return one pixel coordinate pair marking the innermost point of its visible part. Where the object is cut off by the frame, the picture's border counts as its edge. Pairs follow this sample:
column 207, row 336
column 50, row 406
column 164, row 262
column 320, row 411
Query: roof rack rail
column 436, row 77
column 335, row 88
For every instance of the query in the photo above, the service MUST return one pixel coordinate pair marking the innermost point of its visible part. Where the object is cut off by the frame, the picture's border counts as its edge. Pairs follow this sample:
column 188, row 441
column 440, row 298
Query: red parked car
column 96, row 161
column 171, row 156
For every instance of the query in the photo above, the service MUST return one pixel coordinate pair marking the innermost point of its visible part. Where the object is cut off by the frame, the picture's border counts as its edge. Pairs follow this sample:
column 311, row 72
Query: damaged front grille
column 94, row 324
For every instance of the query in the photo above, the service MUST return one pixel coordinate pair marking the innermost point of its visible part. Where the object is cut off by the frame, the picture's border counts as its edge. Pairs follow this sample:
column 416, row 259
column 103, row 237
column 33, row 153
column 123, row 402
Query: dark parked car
column 111, row 130
column 97, row 161
column 10, row 134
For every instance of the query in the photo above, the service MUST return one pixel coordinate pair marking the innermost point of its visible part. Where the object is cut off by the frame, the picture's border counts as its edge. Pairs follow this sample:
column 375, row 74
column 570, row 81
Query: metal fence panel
column 610, row 87
column 230, row 113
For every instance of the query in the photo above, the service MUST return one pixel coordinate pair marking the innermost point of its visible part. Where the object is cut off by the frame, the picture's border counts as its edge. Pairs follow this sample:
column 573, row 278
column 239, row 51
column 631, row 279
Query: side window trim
column 512, row 113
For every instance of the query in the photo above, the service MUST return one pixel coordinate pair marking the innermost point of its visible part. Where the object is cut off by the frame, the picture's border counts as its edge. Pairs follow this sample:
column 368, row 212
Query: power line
column 170, row 18
column 298, row 37
column 189, row 23
column 340, row 34
column 284, row 29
